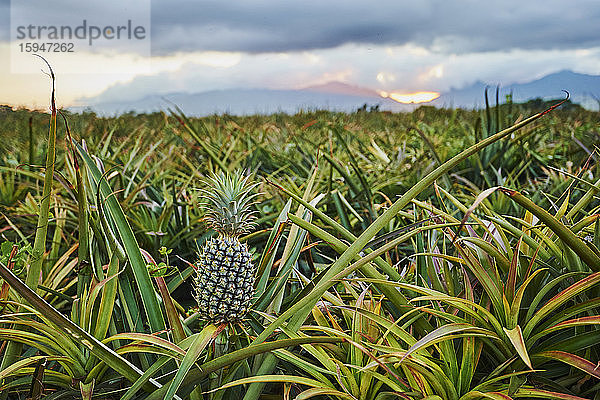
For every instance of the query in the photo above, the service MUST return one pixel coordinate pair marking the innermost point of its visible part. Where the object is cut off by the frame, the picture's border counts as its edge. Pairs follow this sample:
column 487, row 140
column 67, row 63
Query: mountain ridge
column 340, row 96
column 581, row 87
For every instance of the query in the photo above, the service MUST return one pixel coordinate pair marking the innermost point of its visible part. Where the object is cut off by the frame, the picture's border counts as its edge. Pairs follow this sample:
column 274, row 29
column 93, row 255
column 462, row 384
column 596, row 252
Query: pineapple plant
column 224, row 282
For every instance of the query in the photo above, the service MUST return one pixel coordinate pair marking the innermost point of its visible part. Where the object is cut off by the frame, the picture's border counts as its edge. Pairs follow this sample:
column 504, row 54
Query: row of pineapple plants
column 344, row 290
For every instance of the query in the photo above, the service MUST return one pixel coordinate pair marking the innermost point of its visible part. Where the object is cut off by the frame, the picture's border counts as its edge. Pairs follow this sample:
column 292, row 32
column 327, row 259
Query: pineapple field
column 441, row 254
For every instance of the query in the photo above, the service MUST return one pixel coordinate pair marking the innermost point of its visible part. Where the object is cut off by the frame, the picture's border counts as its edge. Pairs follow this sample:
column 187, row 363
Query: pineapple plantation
column 438, row 254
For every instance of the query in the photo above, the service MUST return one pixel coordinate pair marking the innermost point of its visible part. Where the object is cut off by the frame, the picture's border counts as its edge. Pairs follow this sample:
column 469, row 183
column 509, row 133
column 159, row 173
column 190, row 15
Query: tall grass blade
column 202, row 340
column 130, row 245
column 13, row 349
column 586, row 254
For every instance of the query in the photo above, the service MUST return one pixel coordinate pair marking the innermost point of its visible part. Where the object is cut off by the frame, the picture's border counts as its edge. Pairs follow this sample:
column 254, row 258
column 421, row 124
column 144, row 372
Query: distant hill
column 337, row 96
column 256, row 101
column 582, row 88
column 343, row 88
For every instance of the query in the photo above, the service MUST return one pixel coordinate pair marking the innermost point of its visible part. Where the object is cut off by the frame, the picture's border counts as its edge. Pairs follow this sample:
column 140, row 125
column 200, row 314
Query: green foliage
column 423, row 255
column 162, row 269
column 18, row 259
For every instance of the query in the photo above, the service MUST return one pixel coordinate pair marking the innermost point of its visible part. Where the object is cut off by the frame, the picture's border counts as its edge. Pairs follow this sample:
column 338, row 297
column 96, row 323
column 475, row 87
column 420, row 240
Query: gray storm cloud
column 456, row 27
column 453, row 27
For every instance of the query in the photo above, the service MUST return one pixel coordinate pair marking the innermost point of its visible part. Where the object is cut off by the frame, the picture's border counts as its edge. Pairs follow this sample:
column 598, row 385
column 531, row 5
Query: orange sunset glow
column 409, row 98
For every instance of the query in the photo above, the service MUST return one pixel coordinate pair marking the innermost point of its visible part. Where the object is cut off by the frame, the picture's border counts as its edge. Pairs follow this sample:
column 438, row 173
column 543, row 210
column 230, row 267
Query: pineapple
column 224, row 271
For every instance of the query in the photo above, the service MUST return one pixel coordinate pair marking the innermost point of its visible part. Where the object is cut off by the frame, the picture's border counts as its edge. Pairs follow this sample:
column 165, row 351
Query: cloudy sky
column 394, row 46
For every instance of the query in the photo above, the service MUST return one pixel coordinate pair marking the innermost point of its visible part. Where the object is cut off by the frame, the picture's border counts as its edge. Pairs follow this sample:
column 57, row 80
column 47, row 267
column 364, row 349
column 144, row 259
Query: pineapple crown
column 227, row 203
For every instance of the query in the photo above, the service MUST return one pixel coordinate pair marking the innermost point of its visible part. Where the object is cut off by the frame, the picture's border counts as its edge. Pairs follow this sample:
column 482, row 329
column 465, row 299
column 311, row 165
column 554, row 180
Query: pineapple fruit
column 224, row 282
